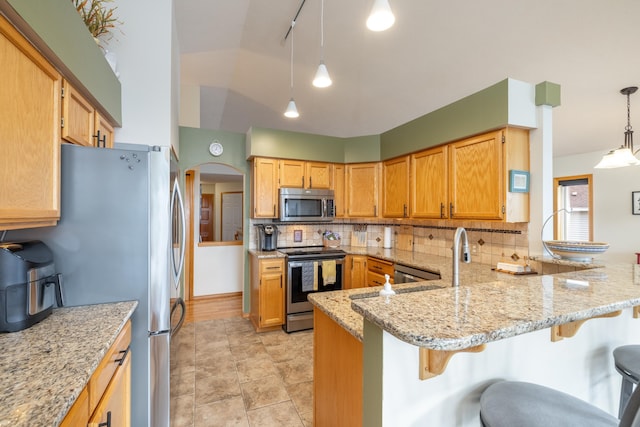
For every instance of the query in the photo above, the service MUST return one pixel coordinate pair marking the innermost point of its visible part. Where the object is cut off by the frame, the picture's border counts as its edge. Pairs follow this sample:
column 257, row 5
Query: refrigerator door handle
column 176, row 197
column 178, row 302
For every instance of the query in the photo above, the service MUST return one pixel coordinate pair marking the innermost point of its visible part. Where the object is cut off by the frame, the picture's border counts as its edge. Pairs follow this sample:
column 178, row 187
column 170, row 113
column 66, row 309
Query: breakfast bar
column 530, row 328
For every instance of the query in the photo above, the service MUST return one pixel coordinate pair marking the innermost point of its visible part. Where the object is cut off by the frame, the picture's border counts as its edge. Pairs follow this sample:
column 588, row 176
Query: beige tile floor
column 225, row 374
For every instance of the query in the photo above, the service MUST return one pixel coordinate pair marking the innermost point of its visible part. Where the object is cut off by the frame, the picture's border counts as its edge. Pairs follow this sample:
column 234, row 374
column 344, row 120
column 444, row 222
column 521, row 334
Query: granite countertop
column 458, row 318
column 45, row 367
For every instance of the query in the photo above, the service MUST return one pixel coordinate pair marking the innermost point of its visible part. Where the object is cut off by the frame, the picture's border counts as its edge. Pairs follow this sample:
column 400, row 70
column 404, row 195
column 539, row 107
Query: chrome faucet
column 466, row 255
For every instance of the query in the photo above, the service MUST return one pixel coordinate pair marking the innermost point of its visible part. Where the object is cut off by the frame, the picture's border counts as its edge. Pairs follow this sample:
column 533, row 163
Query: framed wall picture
column 635, row 202
column 518, row 181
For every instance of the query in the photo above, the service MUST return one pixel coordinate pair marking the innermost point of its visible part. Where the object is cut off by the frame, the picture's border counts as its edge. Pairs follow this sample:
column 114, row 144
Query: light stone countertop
column 473, row 314
column 44, row 368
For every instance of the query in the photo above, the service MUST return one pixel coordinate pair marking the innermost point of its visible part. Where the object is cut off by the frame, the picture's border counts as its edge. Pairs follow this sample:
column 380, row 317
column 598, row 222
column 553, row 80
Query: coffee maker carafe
column 267, row 237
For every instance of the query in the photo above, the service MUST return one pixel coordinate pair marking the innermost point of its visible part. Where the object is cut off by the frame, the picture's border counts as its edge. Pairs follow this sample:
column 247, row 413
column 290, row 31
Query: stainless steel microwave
column 310, row 205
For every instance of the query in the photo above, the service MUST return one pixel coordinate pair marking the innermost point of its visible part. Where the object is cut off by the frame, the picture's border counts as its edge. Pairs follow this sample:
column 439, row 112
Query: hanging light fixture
column 292, row 110
column 381, row 16
column 322, row 78
column 623, row 156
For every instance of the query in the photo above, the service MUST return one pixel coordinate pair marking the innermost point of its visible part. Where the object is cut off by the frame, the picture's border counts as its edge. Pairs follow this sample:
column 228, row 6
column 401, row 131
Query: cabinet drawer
column 380, row 266
column 271, row 266
column 102, row 376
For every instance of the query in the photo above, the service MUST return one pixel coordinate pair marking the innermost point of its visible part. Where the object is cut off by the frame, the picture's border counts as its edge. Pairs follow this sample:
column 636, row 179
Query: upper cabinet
column 479, row 172
column 81, row 122
column 264, row 188
column 395, row 188
column 30, row 134
column 339, row 190
column 301, row 174
column 429, row 183
column 362, row 188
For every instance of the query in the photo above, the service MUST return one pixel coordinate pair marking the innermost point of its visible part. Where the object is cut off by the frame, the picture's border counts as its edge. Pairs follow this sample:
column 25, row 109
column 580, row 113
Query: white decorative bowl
column 574, row 250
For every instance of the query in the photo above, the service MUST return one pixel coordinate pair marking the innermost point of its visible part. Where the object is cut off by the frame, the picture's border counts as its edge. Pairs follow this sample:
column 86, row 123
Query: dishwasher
column 406, row 274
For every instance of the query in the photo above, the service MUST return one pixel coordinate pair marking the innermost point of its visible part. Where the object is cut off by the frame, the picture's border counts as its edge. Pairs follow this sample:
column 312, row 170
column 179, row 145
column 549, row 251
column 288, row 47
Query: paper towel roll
column 386, row 241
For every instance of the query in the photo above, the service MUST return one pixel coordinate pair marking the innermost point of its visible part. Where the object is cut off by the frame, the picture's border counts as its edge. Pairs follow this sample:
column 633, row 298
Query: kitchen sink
column 417, row 288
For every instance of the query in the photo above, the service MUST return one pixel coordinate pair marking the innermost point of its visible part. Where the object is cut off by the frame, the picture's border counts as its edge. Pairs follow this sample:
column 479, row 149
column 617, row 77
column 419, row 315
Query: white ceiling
column 436, row 53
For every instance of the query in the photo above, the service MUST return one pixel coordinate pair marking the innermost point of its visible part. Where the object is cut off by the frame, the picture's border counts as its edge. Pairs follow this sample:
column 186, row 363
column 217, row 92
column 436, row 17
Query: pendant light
column 322, row 78
column 292, row 110
column 623, row 156
column 381, row 16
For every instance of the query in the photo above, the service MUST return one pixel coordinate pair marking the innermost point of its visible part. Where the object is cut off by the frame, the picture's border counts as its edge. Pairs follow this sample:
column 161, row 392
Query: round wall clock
column 215, row 148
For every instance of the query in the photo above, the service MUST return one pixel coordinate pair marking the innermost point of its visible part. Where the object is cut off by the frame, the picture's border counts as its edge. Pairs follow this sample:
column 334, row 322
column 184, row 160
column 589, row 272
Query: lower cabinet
column 355, row 271
column 376, row 269
column 267, row 293
column 106, row 400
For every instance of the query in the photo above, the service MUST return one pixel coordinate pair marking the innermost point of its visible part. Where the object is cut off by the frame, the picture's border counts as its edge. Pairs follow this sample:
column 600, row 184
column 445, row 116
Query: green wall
column 194, row 150
column 60, row 27
column 484, row 110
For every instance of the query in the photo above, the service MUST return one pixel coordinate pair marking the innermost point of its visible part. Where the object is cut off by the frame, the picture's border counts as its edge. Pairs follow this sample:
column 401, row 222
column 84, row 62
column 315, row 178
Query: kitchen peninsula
column 45, row 368
column 512, row 323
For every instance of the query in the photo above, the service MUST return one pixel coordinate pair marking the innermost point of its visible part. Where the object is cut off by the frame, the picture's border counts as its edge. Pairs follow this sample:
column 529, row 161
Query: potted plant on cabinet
column 98, row 17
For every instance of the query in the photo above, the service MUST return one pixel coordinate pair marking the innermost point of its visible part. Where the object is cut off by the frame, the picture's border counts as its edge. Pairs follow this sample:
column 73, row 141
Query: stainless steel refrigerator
column 121, row 237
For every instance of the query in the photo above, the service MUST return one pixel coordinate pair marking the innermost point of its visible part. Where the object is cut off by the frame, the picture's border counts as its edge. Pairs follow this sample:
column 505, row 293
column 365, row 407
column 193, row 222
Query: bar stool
column 512, row 403
column 627, row 362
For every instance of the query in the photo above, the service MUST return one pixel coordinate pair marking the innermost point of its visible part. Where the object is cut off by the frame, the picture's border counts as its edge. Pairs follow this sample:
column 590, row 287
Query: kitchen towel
column 307, row 276
column 328, row 272
column 315, row 275
column 387, row 238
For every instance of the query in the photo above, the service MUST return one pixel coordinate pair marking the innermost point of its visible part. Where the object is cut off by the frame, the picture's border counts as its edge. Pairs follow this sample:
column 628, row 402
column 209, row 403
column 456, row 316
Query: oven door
column 307, row 276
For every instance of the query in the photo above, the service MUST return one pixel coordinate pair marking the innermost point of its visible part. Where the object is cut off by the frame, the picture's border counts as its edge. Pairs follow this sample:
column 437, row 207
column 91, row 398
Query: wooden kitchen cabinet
column 429, row 183
column 30, row 131
column 356, row 271
column 267, row 293
column 107, row 396
column 479, row 172
column 264, row 197
column 301, row 174
column 81, row 122
column 376, row 269
column 395, row 188
column 362, row 188
column 339, row 195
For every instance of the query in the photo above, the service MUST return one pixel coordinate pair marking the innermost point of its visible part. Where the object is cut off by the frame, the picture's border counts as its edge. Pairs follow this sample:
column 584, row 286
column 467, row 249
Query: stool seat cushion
column 627, row 358
column 511, row 403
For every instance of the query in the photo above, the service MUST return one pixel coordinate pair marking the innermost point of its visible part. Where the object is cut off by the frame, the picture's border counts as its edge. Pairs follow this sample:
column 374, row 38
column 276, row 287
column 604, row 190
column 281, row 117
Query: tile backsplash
column 490, row 242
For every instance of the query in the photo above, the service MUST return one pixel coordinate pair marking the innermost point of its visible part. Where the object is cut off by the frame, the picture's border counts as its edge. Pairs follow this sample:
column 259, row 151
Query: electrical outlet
column 297, row 235
column 474, row 249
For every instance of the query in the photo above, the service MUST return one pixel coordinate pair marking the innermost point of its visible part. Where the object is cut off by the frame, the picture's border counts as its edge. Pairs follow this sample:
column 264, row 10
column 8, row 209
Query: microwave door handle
column 324, row 208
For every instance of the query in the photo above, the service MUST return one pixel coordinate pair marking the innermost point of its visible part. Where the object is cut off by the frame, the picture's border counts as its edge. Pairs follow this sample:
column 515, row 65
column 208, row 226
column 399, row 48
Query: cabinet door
column 271, row 293
column 291, row 173
column 429, row 177
column 265, row 190
column 104, row 132
column 395, row 188
column 358, row 271
column 29, row 134
column 319, row 175
column 362, row 190
column 339, row 190
column 78, row 117
column 114, row 408
column 476, row 178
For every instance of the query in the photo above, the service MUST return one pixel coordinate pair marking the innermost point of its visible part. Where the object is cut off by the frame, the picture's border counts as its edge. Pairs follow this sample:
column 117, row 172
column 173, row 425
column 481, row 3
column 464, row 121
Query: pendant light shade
column 322, row 78
column 623, row 156
column 292, row 110
column 381, row 16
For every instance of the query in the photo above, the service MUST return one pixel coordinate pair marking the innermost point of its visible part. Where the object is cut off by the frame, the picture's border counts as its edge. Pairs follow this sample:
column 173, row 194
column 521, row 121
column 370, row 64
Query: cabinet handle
column 302, row 181
column 274, row 210
column 102, row 140
column 404, row 212
column 310, row 182
column 124, row 356
column 273, row 267
column 450, row 210
column 441, row 210
column 108, row 422
column 375, row 210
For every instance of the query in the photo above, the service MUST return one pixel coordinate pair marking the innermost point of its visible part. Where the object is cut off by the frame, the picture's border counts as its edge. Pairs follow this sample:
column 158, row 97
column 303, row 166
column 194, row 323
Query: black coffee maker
column 267, row 237
column 29, row 285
